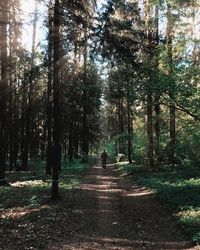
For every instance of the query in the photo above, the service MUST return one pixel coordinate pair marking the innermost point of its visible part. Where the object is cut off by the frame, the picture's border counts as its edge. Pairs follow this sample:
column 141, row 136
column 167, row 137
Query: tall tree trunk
column 172, row 109
column 16, row 132
column 71, row 137
column 22, row 120
column 3, row 87
column 120, row 119
column 11, row 127
column 129, row 129
column 76, row 138
column 65, row 148
column 149, row 99
column 56, row 99
column 30, row 100
column 157, row 128
column 85, row 132
column 76, row 124
column 157, row 93
column 49, row 94
column 150, row 130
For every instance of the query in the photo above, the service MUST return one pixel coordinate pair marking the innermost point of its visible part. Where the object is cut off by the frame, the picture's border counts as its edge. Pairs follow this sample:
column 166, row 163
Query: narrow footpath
column 116, row 213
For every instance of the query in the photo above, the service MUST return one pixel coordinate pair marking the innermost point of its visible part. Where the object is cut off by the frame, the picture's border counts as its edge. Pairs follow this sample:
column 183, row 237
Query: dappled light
column 28, row 183
column 105, row 211
column 17, row 213
column 114, row 215
column 143, row 193
column 99, row 124
column 117, row 243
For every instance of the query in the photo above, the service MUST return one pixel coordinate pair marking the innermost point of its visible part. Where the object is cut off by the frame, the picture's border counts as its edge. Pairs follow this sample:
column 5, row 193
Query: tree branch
column 182, row 108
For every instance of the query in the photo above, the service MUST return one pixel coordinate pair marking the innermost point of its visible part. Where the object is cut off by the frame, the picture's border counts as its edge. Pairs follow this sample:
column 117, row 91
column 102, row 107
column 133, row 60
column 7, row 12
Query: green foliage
column 138, row 139
column 34, row 201
column 121, row 37
column 196, row 238
column 84, row 97
column 29, row 189
column 76, row 168
column 24, row 193
column 188, row 142
column 110, row 148
column 139, row 145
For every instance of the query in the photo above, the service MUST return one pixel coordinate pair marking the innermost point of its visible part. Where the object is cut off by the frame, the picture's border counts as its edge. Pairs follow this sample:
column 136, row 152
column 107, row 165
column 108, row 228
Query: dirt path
column 115, row 213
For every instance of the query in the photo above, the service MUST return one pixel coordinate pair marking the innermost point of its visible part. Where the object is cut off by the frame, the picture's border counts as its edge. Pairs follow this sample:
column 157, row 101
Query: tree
column 49, row 91
column 172, row 123
column 28, row 117
column 56, row 98
column 3, row 87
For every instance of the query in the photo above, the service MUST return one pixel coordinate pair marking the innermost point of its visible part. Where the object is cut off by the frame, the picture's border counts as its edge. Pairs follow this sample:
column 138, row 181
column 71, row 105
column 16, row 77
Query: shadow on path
column 116, row 213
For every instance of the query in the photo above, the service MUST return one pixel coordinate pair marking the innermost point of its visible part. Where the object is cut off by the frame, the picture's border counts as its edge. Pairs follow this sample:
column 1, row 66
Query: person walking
column 104, row 157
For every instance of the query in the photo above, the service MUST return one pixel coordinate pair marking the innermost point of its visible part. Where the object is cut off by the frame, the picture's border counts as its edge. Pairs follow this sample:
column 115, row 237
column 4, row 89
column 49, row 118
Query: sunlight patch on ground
column 100, row 177
column 17, row 213
column 137, row 194
column 113, row 190
column 108, row 187
column 97, row 243
column 104, row 197
column 111, row 165
column 122, row 163
column 95, row 186
column 28, row 183
column 17, row 172
column 96, row 167
column 107, row 190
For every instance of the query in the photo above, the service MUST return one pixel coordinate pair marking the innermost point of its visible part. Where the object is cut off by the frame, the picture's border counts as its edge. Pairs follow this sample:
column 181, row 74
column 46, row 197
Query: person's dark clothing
column 104, row 157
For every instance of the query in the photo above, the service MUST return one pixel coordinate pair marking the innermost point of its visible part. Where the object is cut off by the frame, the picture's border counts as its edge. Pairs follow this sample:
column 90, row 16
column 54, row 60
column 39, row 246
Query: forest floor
column 106, row 211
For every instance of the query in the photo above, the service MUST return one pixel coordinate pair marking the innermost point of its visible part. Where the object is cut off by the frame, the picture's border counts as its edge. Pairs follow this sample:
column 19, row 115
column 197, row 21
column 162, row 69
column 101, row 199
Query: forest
column 81, row 76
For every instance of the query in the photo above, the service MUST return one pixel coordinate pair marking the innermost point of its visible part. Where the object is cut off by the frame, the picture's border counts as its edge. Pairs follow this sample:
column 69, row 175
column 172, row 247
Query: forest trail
column 116, row 213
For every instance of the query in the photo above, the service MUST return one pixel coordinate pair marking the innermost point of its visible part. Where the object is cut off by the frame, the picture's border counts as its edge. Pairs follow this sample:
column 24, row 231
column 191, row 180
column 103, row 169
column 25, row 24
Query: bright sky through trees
column 28, row 8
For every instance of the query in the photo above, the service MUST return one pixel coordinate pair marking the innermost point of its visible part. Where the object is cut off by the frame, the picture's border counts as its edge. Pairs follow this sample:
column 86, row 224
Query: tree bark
column 56, row 100
column 16, row 133
column 129, row 129
column 157, row 94
column 3, row 87
column 150, row 152
column 71, row 135
column 30, row 100
column 49, row 94
column 172, row 109
column 11, row 127
column 149, row 99
column 85, row 132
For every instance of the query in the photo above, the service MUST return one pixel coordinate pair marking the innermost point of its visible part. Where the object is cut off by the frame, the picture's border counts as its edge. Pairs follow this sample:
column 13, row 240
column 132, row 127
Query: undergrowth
column 28, row 217
column 31, row 188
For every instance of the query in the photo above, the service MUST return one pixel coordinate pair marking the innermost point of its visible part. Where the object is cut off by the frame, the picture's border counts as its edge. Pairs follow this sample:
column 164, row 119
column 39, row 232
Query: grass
column 26, row 213
column 76, row 168
column 31, row 188
column 179, row 188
